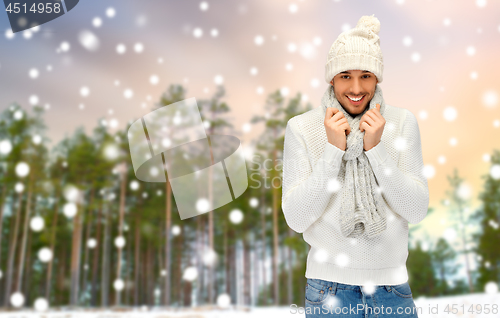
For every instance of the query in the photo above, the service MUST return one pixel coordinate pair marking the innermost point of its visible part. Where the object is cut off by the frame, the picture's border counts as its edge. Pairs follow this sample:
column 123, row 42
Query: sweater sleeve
column 404, row 186
column 305, row 192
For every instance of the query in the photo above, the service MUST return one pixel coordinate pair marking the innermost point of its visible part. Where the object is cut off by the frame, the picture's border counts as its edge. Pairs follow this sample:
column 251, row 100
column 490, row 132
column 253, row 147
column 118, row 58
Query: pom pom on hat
column 369, row 23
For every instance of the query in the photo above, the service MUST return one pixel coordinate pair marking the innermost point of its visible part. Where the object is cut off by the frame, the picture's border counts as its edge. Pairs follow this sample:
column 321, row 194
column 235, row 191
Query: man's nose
column 356, row 87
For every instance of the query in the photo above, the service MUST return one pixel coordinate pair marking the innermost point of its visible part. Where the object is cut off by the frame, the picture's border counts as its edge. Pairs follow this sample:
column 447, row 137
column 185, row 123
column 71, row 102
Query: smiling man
column 352, row 181
column 354, row 89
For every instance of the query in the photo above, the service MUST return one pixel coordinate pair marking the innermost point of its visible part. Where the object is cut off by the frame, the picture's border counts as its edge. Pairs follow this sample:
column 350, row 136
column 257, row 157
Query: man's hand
column 373, row 124
column 337, row 127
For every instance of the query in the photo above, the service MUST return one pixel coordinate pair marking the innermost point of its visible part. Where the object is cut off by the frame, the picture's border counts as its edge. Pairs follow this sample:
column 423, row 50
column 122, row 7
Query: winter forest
column 80, row 232
column 79, row 229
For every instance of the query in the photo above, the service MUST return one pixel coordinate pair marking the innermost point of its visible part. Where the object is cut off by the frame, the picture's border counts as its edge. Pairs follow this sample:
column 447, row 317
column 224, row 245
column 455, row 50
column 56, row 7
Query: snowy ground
column 466, row 306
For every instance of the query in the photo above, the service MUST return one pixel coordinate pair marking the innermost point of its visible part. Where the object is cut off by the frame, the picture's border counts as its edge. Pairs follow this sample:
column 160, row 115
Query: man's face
column 354, row 84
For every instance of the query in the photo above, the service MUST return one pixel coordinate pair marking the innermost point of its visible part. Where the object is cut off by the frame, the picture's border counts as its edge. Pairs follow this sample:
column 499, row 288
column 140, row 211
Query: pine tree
column 443, row 257
column 488, row 217
column 458, row 202
column 271, row 145
column 212, row 114
column 174, row 94
column 422, row 281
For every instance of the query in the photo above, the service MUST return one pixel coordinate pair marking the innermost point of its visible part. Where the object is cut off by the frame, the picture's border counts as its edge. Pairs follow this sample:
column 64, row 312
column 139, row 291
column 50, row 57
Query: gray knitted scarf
column 361, row 209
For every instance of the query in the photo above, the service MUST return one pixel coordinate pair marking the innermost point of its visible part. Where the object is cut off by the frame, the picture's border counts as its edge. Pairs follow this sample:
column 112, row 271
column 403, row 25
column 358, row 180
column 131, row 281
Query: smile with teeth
column 356, row 99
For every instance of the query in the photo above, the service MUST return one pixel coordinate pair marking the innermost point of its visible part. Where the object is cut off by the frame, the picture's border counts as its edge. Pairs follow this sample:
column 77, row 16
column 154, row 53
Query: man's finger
column 373, row 116
column 361, row 126
column 328, row 113
column 331, row 112
column 376, row 111
column 369, row 120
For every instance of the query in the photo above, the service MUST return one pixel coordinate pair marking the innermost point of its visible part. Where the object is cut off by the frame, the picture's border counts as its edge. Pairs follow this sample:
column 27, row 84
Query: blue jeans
column 332, row 299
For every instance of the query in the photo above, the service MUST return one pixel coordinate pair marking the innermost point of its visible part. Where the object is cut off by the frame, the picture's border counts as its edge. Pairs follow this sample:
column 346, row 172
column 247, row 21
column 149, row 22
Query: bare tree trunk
column 2, row 202
column 62, row 273
column 105, row 259
column 12, row 252
column 201, row 277
column 255, row 270
column 29, row 269
column 238, row 268
column 263, row 245
column 178, row 261
column 290, row 269
column 129, row 262
column 187, row 294
column 25, row 235
column 95, row 263
column 186, row 285
column 137, row 262
column 147, row 300
column 150, row 274
column 246, row 270
column 226, row 258
column 75, row 255
column 11, row 223
column 211, row 272
column 144, row 280
column 464, row 246
column 167, row 243
column 199, row 265
column 232, row 269
column 159, row 257
column 120, row 227
column 52, row 248
column 85, row 242
column 275, row 230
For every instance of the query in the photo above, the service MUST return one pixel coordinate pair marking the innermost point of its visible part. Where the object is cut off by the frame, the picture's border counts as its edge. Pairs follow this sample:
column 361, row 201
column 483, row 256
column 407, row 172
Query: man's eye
column 345, row 76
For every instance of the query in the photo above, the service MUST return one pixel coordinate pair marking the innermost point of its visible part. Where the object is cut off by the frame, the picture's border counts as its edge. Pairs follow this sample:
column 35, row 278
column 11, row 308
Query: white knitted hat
column 357, row 49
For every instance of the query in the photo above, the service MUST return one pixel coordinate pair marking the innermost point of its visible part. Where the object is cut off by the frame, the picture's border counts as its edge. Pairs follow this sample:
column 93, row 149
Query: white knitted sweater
column 311, row 200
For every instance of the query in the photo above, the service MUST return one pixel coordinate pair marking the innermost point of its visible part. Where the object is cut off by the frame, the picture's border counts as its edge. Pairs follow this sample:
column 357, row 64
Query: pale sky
column 440, row 60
